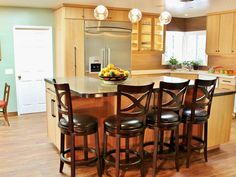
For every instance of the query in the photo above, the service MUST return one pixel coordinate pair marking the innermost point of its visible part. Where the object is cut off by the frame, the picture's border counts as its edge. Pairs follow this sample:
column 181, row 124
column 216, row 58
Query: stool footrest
column 79, row 162
column 132, row 161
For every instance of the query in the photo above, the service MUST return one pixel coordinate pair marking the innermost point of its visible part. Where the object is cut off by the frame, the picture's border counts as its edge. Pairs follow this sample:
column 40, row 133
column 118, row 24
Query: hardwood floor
column 25, row 151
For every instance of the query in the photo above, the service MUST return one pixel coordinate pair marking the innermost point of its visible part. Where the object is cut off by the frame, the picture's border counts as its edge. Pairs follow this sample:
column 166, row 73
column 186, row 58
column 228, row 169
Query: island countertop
column 89, row 87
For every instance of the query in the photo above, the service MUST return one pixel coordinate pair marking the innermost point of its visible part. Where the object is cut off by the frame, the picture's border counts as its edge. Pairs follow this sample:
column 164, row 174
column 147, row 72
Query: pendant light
column 100, row 12
column 135, row 15
column 165, row 18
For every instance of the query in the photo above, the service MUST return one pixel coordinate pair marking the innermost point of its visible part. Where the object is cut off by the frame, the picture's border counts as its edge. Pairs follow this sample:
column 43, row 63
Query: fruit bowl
column 113, row 75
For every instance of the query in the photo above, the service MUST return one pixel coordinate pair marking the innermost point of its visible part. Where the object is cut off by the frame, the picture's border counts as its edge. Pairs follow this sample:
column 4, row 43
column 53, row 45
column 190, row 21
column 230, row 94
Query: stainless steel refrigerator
column 108, row 42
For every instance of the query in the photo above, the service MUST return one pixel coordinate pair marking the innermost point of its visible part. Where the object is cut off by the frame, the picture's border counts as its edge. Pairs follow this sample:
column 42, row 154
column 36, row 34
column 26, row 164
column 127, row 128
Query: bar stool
column 75, row 125
column 128, row 122
column 165, row 117
column 197, row 112
column 4, row 102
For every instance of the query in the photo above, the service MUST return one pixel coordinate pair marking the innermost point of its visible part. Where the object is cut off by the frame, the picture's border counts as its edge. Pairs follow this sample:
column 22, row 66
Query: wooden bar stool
column 4, row 103
column 132, row 106
column 197, row 112
column 165, row 117
column 75, row 125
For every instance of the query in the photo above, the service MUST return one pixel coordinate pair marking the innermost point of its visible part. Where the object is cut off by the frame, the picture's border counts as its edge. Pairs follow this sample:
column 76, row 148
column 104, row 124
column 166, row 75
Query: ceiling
column 177, row 8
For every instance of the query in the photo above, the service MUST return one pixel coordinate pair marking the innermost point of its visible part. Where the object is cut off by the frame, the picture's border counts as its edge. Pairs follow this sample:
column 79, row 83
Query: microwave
column 95, row 65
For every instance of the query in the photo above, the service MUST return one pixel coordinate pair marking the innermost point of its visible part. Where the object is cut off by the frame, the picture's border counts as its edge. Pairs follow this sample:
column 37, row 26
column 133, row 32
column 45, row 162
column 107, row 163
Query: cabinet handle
column 52, row 108
column 232, row 51
column 226, row 81
column 75, row 53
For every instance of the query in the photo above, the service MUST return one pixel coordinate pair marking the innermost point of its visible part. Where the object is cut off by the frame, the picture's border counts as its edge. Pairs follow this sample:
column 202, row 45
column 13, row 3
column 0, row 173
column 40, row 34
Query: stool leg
column 184, row 134
column 104, row 150
column 172, row 137
column 156, row 139
column 189, row 134
column 85, row 147
column 72, row 153
column 62, row 149
column 117, row 165
column 6, row 116
column 99, row 170
column 205, row 140
column 177, row 148
column 161, row 140
column 127, row 150
column 141, row 139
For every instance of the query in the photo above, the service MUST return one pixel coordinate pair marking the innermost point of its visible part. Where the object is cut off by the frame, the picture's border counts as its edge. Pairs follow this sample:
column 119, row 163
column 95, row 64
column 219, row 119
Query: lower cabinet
column 53, row 130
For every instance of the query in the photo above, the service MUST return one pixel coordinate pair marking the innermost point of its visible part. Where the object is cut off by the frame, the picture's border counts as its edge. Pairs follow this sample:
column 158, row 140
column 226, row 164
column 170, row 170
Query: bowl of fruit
column 113, row 75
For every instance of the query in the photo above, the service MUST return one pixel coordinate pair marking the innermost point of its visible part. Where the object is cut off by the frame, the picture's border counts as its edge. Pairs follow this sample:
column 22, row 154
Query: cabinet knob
column 232, row 51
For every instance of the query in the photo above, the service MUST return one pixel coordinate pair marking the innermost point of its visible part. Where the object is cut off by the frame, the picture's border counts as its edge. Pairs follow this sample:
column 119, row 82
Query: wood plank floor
column 25, row 151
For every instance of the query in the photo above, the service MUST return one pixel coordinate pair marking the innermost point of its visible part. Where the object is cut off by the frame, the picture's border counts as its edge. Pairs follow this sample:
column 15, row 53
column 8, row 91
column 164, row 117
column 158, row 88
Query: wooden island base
column 219, row 125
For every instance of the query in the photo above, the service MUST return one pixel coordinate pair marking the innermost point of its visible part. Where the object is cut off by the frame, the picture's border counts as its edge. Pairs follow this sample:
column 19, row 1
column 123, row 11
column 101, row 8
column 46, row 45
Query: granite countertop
column 178, row 71
column 89, row 87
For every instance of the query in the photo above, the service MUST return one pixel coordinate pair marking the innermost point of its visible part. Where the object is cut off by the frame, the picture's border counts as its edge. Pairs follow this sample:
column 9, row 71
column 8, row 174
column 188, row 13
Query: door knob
column 19, row 77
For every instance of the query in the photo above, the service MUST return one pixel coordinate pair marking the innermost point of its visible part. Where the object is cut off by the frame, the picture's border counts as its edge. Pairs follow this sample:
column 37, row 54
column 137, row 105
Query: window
column 186, row 46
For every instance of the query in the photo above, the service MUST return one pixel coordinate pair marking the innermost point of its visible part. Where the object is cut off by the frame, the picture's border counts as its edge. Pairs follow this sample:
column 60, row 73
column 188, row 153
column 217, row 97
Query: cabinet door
column 213, row 27
column 118, row 15
column 74, row 45
column 51, row 117
column 74, row 13
column 89, row 14
column 226, row 33
column 234, row 36
column 146, row 34
column 158, row 35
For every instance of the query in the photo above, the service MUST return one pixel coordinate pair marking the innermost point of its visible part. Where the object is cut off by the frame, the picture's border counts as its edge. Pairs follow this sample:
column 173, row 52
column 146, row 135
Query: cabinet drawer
column 118, row 15
column 74, row 13
column 227, row 81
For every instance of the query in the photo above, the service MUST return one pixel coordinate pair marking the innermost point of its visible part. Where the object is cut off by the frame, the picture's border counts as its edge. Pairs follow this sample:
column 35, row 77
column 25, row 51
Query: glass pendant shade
column 100, row 12
column 135, row 15
column 165, row 18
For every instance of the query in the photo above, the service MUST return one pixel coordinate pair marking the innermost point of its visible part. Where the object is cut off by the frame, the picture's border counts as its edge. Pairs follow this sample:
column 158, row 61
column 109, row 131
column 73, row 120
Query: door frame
column 15, row 27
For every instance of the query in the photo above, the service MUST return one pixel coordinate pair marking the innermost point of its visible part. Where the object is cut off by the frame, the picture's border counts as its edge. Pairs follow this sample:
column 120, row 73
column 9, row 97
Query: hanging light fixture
column 100, row 12
column 135, row 15
column 165, row 18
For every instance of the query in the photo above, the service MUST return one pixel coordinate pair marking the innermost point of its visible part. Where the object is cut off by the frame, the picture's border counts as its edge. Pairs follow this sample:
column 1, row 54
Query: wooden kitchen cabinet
column 73, row 12
column 221, row 34
column 113, row 15
column 53, row 130
column 148, row 35
column 234, row 36
column 74, row 47
column 226, row 33
column 185, row 76
column 213, row 32
column 69, row 45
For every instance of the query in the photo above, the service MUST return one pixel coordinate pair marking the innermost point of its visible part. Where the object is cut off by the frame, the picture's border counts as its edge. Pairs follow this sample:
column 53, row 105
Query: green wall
column 10, row 17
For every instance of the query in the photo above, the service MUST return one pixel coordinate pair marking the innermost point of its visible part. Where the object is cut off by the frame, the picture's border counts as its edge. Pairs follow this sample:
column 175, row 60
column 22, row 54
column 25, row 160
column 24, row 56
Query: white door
column 33, row 63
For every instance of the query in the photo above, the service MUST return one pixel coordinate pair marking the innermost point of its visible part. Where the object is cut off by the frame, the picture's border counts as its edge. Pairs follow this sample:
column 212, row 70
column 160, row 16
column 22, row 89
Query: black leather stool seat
column 126, row 124
column 200, row 114
column 166, row 117
column 81, row 122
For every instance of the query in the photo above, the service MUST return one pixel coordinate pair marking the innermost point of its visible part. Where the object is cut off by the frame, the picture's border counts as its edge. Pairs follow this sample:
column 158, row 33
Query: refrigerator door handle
column 103, row 57
column 108, row 55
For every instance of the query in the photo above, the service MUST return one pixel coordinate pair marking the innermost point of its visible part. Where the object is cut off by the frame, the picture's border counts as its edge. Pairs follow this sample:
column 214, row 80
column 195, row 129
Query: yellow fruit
column 126, row 73
column 106, row 74
column 117, row 73
column 110, row 66
column 107, row 69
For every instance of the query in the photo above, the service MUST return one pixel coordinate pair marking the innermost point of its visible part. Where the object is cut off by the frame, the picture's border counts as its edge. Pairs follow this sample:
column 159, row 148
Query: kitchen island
column 90, row 95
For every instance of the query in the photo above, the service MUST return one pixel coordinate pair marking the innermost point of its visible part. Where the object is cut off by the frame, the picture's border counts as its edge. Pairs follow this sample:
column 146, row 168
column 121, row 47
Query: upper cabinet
column 148, row 35
column 226, row 33
column 73, row 12
column 213, row 31
column 221, row 34
column 234, row 36
column 113, row 15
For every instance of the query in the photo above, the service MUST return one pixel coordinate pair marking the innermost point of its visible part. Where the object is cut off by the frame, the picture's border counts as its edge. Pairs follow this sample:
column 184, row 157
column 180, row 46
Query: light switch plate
column 9, row 71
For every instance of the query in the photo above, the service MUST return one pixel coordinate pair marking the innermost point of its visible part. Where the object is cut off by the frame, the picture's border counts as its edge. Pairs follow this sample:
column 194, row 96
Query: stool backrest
column 170, row 97
column 137, row 99
column 64, row 103
column 203, row 92
column 6, row 93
